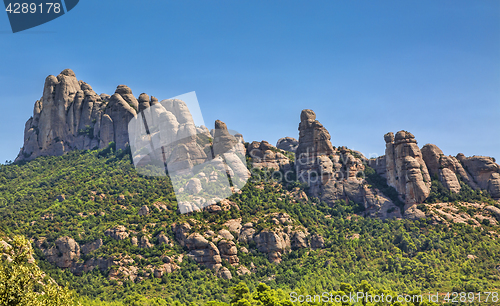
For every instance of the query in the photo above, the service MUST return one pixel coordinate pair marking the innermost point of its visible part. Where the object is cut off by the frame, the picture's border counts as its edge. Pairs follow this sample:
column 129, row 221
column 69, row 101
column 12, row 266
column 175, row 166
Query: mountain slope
column 102, row 191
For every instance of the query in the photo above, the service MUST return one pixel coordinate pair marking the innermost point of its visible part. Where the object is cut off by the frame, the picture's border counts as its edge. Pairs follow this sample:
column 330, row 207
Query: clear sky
column 365, row 67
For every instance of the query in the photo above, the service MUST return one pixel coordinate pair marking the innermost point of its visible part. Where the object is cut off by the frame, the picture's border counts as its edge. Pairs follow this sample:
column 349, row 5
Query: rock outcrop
column 406, row 170
column 336, row 174
column 118, row 232
column 91, row 246
column 314, row 139
column 445, row 168
column 65, row 252
column 287, row 144
column 265, row 155
column 485, row 171
column 409, row 170
column 71, row 116
column 273, row 244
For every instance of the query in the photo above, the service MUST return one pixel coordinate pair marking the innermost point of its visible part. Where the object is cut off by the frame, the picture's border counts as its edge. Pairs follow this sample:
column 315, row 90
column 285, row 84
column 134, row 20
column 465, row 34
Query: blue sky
column 365, row 67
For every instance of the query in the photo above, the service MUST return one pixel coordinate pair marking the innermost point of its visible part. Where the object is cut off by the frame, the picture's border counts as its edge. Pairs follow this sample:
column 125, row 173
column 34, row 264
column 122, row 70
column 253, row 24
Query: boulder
column 144, row 242
column 317, row 242
column 143, row 211
column 162, row 239
column 272, row 243
column 118, row 232
column 181, row 232
column 203, row 252
column 264, row 155
column 299, row 240
column 193, row 186
column 224, row 273
column 247, row 233
column 65, row 252
column 91, row 246
column 228, row 251
column 287, row 144
column 226, row 234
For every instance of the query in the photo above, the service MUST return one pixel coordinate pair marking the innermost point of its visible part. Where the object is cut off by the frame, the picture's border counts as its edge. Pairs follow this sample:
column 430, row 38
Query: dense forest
column 82, row 194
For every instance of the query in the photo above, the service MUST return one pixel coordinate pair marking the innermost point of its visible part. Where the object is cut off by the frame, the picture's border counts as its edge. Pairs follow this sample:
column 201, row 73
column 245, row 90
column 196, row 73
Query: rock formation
column 71, row 116
column 335, row 174
column 409, row 170
column 287, row 144
column 314, row 139
column 264, row 155
column 118, row 232
column 485, row 171
column 445, row 168
column 405, row 168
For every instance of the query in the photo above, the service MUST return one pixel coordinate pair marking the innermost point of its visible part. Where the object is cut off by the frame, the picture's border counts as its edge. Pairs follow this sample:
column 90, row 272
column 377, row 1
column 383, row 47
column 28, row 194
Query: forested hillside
column 113, row 235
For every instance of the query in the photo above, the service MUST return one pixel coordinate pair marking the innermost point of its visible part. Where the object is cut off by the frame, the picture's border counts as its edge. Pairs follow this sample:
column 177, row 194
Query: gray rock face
column 485, row 172
column 378, row 164
column 203, row 251
column 335, row 174
column 181, row 232
column 264, row 155
column 314, row 139
column 91, row 246
column 162, row 239
column 317, row 242
column 118, row 232
column 71, row 116
column 443, row 167
column 299, row 240
column 405, row 168
column 273, row 244
column 287, row 144
column 143, row 211
column 228, row 251
column 409, row 169
column 224, row 273
column 64, row 253
column 247, row 233
column 194, row 186
column 144, row 243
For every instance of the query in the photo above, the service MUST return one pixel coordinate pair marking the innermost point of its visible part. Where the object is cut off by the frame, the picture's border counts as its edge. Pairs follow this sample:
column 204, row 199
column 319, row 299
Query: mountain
column 311, row 216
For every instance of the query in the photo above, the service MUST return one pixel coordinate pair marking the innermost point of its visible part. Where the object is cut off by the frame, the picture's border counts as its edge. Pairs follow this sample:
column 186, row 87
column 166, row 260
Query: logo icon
column 26, row 15
column 204, row 166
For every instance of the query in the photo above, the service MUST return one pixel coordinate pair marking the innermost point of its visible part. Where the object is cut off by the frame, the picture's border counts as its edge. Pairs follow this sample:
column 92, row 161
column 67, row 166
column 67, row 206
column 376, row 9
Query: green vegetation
column 23, row 283
column 439, row 193
column 102, row 189
column 88, row 130
column 381, row 183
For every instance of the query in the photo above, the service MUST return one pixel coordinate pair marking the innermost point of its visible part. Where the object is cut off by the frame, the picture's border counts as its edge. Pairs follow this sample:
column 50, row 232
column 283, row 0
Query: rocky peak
column 334, row 174
column 314, row 139
column 71, row 116
column 405, row 168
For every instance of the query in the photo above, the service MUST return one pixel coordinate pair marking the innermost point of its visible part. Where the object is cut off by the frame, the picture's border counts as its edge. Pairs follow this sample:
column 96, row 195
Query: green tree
column 23, row 283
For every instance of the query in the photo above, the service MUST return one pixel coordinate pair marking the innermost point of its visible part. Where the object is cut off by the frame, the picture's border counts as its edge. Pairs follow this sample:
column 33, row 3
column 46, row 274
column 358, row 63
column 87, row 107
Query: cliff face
column 71, row 116
column 409, row 169
column 405, row 168
column 336, row 173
